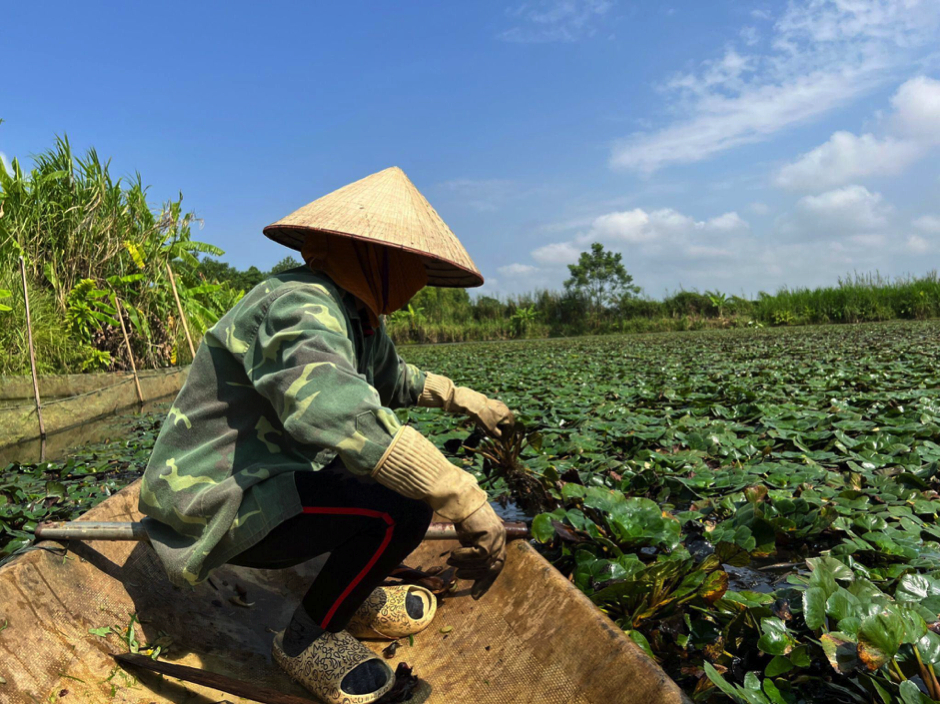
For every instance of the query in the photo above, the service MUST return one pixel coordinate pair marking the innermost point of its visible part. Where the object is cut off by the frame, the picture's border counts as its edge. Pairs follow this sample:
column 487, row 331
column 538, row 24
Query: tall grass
column 86, row 237
column 857, row 298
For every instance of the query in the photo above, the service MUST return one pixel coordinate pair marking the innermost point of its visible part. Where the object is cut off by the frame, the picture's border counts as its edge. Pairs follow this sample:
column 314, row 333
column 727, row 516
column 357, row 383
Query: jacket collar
column 350, row 304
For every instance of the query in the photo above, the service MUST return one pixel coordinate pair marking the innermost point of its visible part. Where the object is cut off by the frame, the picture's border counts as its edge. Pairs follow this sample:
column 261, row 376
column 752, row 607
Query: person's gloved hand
column 483, row 549
column 489, row 414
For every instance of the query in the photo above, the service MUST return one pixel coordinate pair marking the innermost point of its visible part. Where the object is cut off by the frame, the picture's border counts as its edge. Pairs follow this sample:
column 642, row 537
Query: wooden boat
column 532, row 638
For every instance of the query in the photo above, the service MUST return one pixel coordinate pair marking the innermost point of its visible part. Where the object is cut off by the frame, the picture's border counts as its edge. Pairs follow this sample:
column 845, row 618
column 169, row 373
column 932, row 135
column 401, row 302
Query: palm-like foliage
column 72, row 222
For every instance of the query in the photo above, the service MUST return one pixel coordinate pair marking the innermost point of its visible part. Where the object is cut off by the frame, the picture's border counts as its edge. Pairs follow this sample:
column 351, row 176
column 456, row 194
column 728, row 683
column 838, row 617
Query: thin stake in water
column 130, row 353
column 179, row 307
column 32, row 366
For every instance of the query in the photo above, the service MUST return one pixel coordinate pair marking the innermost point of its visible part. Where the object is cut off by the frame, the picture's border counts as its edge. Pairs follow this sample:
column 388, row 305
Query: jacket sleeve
column 399, row 383
column 303, row 363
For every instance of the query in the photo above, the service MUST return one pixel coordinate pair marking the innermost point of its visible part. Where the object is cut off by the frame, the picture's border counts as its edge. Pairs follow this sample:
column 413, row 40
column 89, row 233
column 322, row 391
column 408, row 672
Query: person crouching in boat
column 282, row 445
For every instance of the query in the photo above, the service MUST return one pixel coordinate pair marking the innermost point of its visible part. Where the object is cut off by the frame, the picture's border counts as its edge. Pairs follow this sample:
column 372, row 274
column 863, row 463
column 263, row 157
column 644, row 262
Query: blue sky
column 727, row 144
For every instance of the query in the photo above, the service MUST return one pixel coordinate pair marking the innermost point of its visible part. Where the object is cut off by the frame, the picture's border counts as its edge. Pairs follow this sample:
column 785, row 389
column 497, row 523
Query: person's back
column 223, row 437
column 284, row 445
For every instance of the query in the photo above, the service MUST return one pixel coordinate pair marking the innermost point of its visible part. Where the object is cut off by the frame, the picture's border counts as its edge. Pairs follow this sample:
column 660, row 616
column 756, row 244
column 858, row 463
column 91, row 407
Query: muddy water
column 60, row 444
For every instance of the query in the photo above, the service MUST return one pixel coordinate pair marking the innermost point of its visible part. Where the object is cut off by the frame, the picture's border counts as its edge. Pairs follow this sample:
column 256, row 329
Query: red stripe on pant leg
column 348, row 511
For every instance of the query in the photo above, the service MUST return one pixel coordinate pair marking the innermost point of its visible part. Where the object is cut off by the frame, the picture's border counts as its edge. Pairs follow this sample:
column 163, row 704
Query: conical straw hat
column 386, row 209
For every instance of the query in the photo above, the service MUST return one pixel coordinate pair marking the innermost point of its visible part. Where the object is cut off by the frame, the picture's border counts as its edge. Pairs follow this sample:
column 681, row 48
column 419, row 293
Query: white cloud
column 515, row 270
column 759, row 208
column 868, row 239
column 845, row 210
column 917, row 106
column 822, row 55
column 707, row 252
column 726, row 222
column 632, row 226
column 845, row 158
column 664, row 232
column 638, row 225
column 555, row 20
column 749, row 35
column 917, row 244
column 928, row 224
column 557, row 253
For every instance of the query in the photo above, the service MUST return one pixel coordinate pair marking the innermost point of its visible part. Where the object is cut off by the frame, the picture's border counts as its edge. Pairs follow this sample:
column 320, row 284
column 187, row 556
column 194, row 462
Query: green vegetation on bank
column 87, row 237
column 446, row 316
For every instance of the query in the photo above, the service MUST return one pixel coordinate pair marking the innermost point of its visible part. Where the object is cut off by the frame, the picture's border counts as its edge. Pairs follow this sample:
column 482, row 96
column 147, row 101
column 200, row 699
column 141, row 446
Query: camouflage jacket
column 286, row 381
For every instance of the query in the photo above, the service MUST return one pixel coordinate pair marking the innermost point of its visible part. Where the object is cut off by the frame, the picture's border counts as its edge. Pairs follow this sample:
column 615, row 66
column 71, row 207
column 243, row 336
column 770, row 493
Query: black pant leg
column 368, row 530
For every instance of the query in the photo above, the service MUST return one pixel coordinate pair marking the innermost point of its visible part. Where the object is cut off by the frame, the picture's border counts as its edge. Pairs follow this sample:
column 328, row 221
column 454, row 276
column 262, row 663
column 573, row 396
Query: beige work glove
column 483, row 553
column 440, row 393
column 415, row 468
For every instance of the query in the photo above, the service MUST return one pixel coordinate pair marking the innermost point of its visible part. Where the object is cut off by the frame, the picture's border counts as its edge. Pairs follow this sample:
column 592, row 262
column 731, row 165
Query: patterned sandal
column 383, row 615
column 323, row 665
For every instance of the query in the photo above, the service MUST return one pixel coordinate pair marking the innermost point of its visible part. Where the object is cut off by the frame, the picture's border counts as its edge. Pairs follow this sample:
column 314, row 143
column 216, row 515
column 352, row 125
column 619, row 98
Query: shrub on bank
column 454, row 317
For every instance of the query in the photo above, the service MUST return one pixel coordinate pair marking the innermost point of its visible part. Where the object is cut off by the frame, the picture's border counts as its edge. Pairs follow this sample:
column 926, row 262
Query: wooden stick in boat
column 226, row 684
column 134, row 531
column 32, row 365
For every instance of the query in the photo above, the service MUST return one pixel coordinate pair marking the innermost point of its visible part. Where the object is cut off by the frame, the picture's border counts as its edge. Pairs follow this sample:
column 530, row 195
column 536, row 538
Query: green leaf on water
column 815, row 607
column 929, row 647
column 732, row 555
column 840, row 651
column 775, row 639
column 721, row 683
column 800, row 657
column 771, row 690
column 842, row 604
column 777, row 666
column 849, row 625
column 641, row 641
column 879, row 638
column 542, row 528
column 914, row 587
column 910, row 693
column 55, row 489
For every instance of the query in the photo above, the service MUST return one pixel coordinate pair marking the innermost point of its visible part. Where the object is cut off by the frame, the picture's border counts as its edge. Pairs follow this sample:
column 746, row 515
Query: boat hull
column 533, row 638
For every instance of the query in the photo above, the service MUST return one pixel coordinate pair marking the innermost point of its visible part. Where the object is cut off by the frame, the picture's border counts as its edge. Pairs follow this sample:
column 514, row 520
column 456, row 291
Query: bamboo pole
column 130, row 353
column 179, row 307
column 135, row 531
column 32, row 365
